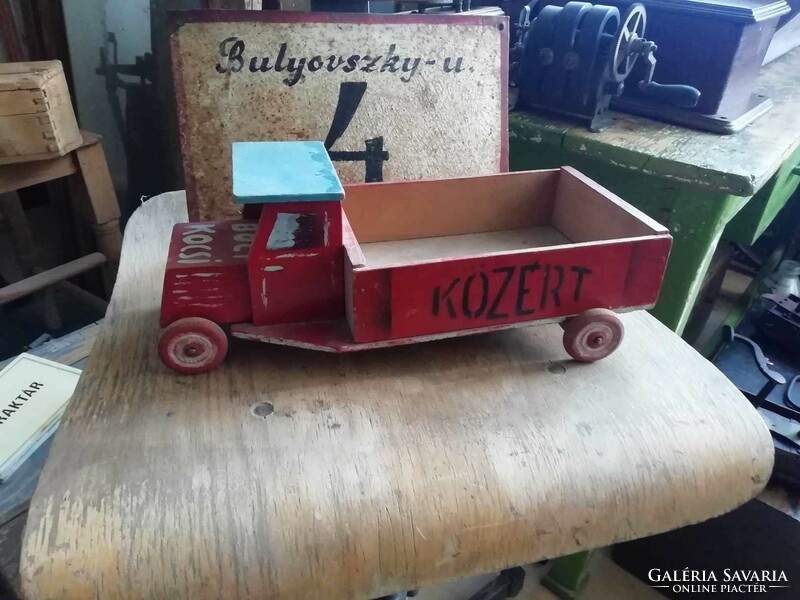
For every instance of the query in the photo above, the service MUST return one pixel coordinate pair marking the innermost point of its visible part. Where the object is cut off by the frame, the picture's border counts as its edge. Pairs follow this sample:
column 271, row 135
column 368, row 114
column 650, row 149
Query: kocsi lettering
column 196, row 246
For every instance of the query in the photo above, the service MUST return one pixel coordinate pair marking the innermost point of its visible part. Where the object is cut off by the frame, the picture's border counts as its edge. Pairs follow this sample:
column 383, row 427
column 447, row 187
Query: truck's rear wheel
column 193, row 345
column 593, row 334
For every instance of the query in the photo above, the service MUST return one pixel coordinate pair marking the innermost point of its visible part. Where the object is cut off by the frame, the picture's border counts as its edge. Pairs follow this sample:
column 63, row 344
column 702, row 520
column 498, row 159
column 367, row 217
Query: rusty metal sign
column 394, row 97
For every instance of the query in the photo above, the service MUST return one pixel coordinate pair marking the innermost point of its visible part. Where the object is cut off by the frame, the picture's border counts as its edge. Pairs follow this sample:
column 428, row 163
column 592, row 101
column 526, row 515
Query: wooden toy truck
column 406, row 262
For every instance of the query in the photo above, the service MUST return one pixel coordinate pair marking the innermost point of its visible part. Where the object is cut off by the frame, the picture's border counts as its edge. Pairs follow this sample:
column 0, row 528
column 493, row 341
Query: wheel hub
column 192, row 345
column 596, row 341
column 192, row 348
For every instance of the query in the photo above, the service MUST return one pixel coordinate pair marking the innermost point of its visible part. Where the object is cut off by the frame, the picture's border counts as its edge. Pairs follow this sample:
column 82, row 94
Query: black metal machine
column 717, row 46
column 764, row 381
column 508, row 584
column 574, row 59
column 781, row 321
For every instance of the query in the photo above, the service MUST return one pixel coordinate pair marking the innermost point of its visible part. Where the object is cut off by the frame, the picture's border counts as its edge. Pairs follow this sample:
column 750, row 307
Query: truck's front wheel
column 193, row 345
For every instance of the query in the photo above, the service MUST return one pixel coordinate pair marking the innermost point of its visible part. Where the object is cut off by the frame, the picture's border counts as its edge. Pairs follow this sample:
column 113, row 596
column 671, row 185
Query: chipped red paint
column 209, row 276
column 485, row 291
column 296, row 269
column 299, row 277
column 206, row 273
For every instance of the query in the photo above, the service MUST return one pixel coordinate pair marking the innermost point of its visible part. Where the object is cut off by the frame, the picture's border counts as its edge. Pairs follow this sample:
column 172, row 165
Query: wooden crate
column 36, row 117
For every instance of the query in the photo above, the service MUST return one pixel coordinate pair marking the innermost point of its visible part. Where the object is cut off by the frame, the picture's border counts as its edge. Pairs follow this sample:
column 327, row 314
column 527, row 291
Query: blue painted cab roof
column 283, row 172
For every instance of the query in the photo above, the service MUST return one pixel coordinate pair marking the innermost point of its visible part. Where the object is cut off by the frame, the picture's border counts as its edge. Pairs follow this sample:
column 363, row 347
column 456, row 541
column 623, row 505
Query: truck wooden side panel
column 496, row 289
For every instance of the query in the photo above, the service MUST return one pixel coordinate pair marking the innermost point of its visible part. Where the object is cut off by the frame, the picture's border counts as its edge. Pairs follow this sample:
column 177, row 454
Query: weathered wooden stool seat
column 375, row 472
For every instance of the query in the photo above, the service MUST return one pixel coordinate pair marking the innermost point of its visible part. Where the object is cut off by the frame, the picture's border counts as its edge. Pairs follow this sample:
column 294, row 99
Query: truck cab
column 281, row 263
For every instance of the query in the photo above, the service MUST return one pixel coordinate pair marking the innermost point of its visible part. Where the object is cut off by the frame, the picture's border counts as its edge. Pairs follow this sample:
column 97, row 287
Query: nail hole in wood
column 556, row 368
column 262, row 409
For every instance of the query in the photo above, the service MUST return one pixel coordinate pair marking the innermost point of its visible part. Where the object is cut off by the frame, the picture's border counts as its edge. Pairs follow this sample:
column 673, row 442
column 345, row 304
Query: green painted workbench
column 695, row 183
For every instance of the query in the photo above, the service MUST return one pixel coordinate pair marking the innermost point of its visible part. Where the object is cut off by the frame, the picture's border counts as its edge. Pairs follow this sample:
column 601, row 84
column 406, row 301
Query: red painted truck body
column 403, row 262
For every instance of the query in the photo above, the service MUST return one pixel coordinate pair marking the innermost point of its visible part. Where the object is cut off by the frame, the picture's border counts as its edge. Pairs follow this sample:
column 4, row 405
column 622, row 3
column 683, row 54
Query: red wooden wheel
column 193, row 345
column 593, row 334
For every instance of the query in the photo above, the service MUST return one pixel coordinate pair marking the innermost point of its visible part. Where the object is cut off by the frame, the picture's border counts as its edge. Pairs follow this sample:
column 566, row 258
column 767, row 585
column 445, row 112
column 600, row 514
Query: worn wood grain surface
column 375, row 472
column 738, row 164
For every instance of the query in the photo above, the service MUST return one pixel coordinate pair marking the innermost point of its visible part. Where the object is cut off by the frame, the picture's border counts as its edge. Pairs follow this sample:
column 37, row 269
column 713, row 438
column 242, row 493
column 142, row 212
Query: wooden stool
column 293, row 475
column 91, row 188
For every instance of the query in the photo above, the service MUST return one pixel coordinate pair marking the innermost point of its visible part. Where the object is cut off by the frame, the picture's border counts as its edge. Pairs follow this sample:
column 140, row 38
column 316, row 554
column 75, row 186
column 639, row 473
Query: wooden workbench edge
column 571, row 137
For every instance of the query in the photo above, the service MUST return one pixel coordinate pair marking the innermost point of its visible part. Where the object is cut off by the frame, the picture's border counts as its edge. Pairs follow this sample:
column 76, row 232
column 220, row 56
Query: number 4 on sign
column 373, row 155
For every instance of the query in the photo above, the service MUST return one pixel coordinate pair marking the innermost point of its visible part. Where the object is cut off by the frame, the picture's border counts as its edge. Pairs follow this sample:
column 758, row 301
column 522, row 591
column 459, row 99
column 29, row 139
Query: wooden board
column 44, row 279
column 382, row 254
column 477, row 290
column 418, row 209
column 375, row 472
column 738, row 164
column 393, row 97
column 20, row 175
column 564, row 198
column 585, row 211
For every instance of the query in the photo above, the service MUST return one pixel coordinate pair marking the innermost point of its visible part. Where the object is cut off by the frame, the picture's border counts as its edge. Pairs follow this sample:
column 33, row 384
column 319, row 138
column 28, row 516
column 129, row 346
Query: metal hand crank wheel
column 632, row 28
